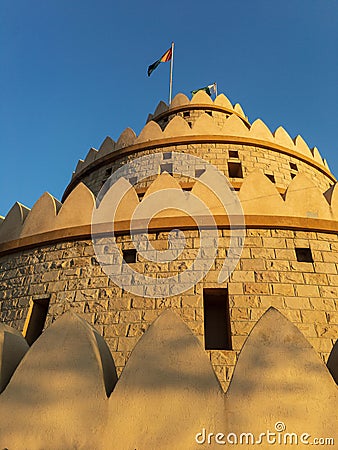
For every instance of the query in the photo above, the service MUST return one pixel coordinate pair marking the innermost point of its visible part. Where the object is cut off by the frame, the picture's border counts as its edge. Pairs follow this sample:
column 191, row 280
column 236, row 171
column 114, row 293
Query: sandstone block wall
column 268, row 274
column 251, row 157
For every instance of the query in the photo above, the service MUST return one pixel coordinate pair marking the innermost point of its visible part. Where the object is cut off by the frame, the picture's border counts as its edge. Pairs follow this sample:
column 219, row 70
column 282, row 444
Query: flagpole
column 171, row 73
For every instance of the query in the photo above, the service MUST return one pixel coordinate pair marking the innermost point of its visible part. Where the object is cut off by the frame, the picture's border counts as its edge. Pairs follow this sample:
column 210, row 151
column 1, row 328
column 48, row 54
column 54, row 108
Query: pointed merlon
column 163, row 184
column 317, row 156
column 80, row 165
column 168, row 382
column 67, row 375
column 283, row 138
column 234, row 126
column 239, row 109
column 304, row 199
column 12, row 349
column 179, row 100
column 222, row 100
column 91, row 156
column 258, row 195
column 259, row 130
column 201, row 98
column 205, row 124
column 122, row 198
column 77, row 209
column 302, row 147
column 150, row 132
column 177, row 127
column 42, row 216
column 126, row 139
column 107, row 147
column 11, row 227
column 284, row 370
column 161, row 108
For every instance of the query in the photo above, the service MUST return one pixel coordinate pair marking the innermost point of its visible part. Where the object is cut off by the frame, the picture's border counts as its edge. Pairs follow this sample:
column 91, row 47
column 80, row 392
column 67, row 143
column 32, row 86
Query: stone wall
column 252, row 158
column 268, row 274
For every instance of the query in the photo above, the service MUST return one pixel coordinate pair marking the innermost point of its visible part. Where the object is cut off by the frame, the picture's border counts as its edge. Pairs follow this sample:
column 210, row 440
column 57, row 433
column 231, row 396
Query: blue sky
column 73, row 72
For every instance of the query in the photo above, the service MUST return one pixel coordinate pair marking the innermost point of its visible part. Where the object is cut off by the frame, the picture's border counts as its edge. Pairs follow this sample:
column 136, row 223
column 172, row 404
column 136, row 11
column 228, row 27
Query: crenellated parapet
column 65, row 390
column 259, row 198
column 197, row 121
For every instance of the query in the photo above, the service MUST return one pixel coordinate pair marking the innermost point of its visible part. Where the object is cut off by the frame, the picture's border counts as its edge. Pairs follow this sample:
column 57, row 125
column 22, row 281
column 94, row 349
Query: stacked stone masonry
column 268, row 274
column 252, row 158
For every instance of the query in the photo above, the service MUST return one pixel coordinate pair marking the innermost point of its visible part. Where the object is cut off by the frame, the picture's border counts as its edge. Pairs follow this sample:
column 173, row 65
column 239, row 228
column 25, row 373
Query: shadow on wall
column 62, row 393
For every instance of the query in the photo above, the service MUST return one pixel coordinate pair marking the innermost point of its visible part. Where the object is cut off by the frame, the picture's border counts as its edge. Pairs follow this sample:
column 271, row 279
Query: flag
column 165, row 58
column 210, row 89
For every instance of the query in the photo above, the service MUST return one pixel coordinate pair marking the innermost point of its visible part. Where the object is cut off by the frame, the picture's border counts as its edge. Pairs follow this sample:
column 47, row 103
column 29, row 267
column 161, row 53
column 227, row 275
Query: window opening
column 36, row 319
column 217, row 332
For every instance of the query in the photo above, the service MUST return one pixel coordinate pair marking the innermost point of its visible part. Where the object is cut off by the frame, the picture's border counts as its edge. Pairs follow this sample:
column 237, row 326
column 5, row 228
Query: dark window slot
column 186, row 114
column 235, row 170
column 167, row 168
column 167, row 155
column 217, row 332
column 37, row 319
column 304, row 255
column 129, row 256
column 293, row 166
column 233, row 154
column 209, row 113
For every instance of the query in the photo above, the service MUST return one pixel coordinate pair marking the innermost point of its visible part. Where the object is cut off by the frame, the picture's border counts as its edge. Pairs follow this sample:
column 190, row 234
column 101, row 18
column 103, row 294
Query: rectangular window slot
column 167, row 155
column 36, row 319
column 199, row 172
column 209, row 113
column 292, row 175
column 233, row 154
column 217, row 332
column 190, row 124
column 186, row 114
column 140, row 195
column 187, row 189
column 293, row 166
column 166, row 168
column 129, row 256
column 109, row 172
column 304, row 255
column 271, row 177
column 235, row 170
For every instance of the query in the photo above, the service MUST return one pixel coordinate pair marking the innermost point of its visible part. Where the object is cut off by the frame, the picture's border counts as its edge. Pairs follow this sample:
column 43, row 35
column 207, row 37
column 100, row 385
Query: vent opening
column 233, row 154
column 304, row 255
column 235, row 170
column 129, row 256
column 217, row 332
column 36, row 319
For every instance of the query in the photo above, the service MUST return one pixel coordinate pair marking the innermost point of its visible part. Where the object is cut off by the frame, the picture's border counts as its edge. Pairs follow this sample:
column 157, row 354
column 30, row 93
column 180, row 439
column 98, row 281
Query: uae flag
column 165, row 58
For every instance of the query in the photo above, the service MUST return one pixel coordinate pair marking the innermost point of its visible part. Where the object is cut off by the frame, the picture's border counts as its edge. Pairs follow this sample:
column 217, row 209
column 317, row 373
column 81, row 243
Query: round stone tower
column 288, row 255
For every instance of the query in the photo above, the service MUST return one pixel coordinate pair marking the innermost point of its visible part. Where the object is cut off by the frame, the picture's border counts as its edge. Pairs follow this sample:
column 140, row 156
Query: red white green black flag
column 164, row 58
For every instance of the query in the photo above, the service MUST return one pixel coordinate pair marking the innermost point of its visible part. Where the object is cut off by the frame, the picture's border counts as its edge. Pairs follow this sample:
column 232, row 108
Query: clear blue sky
column 74, row 71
